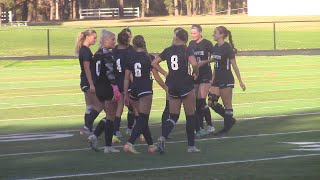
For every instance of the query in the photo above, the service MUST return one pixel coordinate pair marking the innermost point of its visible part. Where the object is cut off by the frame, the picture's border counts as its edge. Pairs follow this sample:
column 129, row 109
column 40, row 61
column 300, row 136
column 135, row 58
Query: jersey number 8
column 174, row 62
column 137, row 70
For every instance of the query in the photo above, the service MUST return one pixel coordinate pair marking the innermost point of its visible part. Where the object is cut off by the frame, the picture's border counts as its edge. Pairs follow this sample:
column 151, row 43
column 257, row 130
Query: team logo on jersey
column 305, row 146
column 198, row 53
column 216, row 57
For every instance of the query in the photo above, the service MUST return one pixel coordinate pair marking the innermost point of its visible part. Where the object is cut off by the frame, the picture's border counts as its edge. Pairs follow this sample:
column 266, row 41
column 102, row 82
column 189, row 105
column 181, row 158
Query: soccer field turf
column 32, row 41
column 276, row 137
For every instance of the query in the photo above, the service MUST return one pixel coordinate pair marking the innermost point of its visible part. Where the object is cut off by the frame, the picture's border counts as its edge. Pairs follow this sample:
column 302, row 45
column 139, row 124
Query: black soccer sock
column 190, row 129
column 137, row 130
column 198, row 114
column 146, row 131
column 89, row 118
column 197, row 121
column 165, row 114
column 130, row 117
column 219, row 109
column 228, row 118
column 117, row 123
column 100, row 127
column 169, row 124
column 205, row 112
column 108, row 132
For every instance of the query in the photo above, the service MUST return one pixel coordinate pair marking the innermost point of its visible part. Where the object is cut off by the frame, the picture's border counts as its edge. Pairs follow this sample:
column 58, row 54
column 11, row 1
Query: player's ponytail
column 227, row 33
column 81, row 38
column 231, row 41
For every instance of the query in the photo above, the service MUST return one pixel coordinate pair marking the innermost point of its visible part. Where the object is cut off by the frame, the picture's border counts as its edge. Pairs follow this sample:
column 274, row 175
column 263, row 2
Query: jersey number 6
column 137, row 70
column 174, row 62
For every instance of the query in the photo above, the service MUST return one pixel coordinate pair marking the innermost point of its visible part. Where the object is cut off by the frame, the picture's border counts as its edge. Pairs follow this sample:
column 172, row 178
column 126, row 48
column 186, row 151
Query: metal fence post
column 274, row 37
column 48, row 41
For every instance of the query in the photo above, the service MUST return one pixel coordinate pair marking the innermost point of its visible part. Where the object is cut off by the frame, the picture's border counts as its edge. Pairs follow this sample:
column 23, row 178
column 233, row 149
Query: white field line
column 82, row 104
column 8, row 89
column 172, row 142
column 309, row 107
column 246, row 92
column 177, row 167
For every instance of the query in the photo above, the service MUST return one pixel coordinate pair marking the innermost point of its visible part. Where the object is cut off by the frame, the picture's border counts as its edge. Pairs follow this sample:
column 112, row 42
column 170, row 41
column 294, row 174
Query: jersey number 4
column 174, row 62
column 137, row 70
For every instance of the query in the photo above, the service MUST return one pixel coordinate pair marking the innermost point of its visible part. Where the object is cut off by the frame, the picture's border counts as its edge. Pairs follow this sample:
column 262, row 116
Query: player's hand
column 243, row 86
column 116, row 93
column 92, row 89
column 126, row 100
column 195, row 77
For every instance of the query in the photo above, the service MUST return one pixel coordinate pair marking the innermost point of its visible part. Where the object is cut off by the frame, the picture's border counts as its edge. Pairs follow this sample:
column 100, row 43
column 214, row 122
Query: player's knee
column 89, row 108
column 173, row 118
column 213, row 100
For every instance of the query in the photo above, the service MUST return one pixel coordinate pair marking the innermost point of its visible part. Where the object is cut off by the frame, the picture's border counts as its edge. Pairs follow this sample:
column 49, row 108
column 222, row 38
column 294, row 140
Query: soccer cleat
column 201, row 133
column 129, row 148
column 210, row 129
column 118, row 134
column 142, row 138
column 152, row 149
column 161, row 144
column 226, row 129
column 93, row 141
column 85, row 131
column 193, row 149
column 115, row 140
column 110, row 149
column 128, row 132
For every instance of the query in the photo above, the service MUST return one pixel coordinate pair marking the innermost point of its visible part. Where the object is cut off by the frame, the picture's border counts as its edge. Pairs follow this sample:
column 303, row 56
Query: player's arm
column 205, row 62
column 87, row 71
column 126, row 86
column 156, row 64
column 159, row 80
column 192, row 60
column 237, row 71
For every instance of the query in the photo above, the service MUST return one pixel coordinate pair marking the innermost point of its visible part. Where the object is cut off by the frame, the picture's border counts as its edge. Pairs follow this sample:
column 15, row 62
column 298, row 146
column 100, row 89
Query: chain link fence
column 32, row 41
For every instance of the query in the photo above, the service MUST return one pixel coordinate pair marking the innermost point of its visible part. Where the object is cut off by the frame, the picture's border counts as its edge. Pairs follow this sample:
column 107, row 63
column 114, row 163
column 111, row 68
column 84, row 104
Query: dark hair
column 123, row 38
column 182, row 35
column 127, row 30
column 139, row 42
column 197, row 26
column 226, row 33
column 177, row 30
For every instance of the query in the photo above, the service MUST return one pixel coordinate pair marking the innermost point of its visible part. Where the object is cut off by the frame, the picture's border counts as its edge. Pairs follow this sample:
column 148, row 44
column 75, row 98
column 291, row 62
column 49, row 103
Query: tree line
column 44, row 10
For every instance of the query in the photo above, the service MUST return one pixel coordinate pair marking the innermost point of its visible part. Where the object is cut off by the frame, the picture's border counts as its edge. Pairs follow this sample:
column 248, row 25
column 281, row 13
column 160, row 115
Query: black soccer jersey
column 121, row 57
column 179, row 69
column 85, row 54
column 140, row 66
column 202, row 51
column 222, row 62
column 104, row 72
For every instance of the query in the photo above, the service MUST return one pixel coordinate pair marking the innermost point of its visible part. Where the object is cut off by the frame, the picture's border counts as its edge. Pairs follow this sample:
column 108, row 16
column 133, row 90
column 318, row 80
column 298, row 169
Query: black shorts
column 139, row 90
column 104, row 92
column 222, row 85
column 120, row 83
column 179, row 93
column 204, row 78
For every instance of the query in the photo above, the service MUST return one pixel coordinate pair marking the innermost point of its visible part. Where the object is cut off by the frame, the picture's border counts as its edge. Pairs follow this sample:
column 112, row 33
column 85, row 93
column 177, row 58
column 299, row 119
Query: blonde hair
column 81, row 38
column 105, row 34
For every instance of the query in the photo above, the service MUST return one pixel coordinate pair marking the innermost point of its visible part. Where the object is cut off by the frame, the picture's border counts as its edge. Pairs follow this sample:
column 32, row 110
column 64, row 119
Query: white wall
column 283, row 7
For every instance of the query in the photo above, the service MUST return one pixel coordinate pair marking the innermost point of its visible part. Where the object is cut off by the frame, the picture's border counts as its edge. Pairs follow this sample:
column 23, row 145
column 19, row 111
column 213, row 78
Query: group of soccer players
column 122, row 75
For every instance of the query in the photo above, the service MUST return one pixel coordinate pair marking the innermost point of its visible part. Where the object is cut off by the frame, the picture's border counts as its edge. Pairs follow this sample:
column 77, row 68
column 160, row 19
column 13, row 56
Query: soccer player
column 202, row 50
column 223, row 81
column 180, row 87
column 139, row 67
column 165, row 114
column 93, row 105
column 121, row 55
column 106, row 90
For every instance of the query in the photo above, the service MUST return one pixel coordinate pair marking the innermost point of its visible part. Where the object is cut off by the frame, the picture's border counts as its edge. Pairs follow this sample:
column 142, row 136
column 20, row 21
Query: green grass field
column 41, row 99
column 32, row 41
